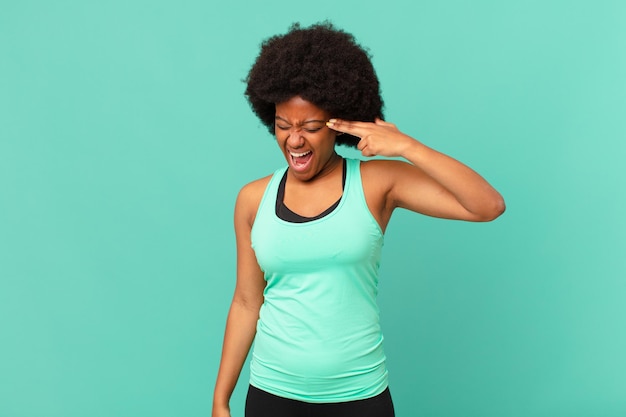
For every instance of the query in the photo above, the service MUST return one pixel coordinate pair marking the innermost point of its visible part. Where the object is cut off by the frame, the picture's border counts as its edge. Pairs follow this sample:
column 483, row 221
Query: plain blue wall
column 125, row 137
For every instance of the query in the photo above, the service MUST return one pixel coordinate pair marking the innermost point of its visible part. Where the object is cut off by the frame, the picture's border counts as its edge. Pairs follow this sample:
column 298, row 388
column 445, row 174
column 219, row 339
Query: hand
column 377, row 139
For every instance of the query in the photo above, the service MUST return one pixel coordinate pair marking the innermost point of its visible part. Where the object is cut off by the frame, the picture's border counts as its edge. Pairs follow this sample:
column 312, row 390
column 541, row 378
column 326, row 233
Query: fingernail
column 331, row 122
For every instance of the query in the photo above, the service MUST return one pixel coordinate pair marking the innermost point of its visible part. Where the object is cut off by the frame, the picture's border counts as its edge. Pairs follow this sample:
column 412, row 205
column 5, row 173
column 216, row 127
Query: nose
column 295, row 139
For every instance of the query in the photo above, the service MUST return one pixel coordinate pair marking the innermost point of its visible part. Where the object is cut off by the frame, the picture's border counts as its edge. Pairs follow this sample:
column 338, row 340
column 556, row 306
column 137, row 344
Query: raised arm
column 247, row 300
column 433, row 183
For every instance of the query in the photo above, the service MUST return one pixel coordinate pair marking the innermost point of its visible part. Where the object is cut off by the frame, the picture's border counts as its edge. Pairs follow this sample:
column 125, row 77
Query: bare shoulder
column 378, row 177
column 255, row 189
column 249, row 199
column 386, row 182
column 379, row 165
column 383, row 172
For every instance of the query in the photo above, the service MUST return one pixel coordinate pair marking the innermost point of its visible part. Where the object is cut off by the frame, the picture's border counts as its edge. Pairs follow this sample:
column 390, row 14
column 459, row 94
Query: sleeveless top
column 318, row 335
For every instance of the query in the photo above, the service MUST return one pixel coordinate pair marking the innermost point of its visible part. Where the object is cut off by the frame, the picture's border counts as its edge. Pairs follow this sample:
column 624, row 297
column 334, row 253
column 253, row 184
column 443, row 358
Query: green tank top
column 318, row 335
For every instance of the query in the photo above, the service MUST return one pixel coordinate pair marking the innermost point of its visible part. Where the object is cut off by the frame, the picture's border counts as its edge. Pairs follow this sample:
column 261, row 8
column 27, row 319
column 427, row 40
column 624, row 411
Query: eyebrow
column 305, row 122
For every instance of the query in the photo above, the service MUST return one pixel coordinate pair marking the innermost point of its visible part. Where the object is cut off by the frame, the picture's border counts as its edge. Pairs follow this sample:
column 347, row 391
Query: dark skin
column 301, row 128
column 429, row 183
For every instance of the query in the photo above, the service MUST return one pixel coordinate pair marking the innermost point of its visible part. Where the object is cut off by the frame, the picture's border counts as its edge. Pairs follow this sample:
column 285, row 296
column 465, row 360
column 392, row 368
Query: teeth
column 296, row 155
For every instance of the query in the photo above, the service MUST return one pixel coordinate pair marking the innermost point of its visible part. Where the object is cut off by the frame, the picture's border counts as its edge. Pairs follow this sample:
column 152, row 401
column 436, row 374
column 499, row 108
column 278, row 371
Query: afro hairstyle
column 321, row 64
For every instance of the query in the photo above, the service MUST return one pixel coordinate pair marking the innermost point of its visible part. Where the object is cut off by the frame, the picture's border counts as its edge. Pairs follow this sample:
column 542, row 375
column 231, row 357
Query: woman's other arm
column 247, row 300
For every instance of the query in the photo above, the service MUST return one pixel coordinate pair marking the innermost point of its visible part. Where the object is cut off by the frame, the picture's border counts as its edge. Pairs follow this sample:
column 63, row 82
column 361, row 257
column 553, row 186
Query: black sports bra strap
column 284, row 213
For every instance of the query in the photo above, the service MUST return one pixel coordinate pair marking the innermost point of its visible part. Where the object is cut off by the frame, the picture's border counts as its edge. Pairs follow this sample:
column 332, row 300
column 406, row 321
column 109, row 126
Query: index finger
column 353, row 128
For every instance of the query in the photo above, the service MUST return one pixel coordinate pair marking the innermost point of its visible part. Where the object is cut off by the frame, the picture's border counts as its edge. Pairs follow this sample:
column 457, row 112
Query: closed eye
column 309, row 130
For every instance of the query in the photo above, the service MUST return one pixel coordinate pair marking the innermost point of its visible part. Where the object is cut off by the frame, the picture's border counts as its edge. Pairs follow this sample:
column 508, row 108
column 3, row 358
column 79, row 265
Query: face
column 307, row 143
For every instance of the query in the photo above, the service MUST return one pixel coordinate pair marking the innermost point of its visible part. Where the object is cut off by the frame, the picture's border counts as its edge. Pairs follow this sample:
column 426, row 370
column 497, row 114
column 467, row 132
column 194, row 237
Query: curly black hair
column 321, row 64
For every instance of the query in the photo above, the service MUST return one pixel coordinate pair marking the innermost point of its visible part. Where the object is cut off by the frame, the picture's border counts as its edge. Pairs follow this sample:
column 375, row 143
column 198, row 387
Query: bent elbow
column 497, row 208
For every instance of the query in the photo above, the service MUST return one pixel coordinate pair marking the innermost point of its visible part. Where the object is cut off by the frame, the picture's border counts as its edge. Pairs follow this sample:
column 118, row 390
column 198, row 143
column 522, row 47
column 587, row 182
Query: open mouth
column 300, row 160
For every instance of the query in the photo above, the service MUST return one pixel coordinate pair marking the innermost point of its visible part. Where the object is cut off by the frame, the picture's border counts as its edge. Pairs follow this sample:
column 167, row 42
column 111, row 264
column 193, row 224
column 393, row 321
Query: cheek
column 281, row 136
column 318, row 140
column 330, row 139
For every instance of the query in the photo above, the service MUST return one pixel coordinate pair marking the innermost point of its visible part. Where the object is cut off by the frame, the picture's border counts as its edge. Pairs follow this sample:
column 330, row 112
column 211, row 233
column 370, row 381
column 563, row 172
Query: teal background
column 125, row 137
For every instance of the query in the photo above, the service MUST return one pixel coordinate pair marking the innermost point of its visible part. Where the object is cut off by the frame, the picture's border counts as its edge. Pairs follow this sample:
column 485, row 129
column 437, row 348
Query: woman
column 309, row 236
